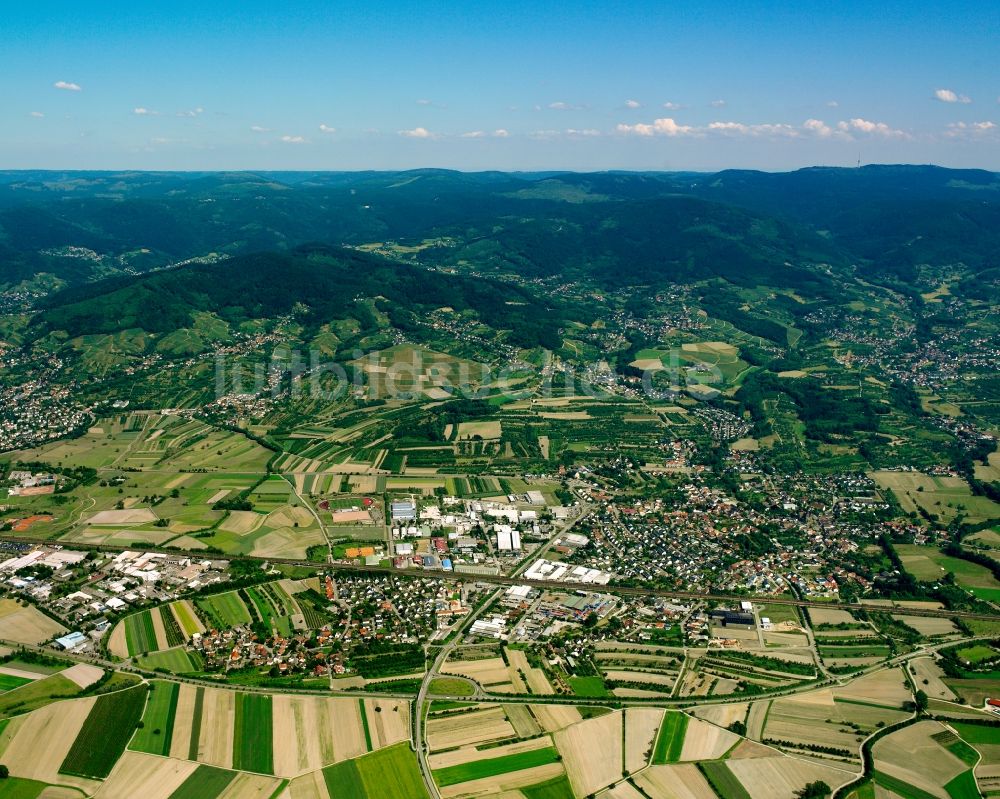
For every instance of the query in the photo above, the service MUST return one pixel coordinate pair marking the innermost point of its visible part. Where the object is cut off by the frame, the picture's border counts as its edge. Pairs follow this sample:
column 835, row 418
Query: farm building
column 736, row 619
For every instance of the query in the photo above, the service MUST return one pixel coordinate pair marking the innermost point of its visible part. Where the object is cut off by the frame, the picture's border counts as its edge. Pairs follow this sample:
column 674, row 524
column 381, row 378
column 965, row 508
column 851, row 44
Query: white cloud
column 633, row 104
column 416, row 133
column 36, row 114
column 588, row 132
column 872, row 128
column 144, row 112
column 673, row 106
column 948, row 96
column 473, row 134
column 259, row 129
column 326, row 129
column 659, row 127
column 818, row 127
column 501, row 133
column 192, row 112
column 741, row 129
column 958, row 129
column 717, row 103
column 293, row 139
column 559, row 105
column 832, row 104
column 424, row 101
column 67, row 86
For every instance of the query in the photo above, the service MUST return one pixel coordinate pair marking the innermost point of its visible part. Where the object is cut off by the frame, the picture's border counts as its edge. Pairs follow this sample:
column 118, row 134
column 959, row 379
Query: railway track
column 504, row 580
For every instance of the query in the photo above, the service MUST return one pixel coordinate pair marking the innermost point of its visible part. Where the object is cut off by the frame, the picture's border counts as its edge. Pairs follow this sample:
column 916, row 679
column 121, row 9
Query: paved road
column 418, row 705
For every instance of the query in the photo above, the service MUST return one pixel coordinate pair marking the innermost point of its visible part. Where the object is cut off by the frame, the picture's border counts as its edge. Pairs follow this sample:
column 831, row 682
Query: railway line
column 504, row 580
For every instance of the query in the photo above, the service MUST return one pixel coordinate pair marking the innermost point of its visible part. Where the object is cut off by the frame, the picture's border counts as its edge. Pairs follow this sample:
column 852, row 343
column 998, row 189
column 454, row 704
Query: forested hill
column 319, row 283
column 749, row 227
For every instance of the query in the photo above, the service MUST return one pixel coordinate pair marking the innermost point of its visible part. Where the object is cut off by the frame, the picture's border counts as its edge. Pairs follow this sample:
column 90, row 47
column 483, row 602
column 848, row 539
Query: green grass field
column 176, row 661
column 556, row 788
column 224, row 610
column 105, row 733
column 186, row 618
column 722, row 780
column 8, row 682
column 588, row 686
column 158, row 720
column 670, row 741
column 477, row 769
column 139, row 634
column 451, row 687
column 977, row 733
column 18, row 788
column 392, row 771
column 903, row 789
column 36, row 694
column 963, row 786
column 252, row 738
column 206, row 782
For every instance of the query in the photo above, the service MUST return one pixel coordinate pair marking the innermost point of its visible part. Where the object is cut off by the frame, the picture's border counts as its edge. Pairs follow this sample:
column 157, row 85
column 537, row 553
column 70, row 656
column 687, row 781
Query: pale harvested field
column 623, row 790
column 115, row 517
column 927, row 625
column 756, row 718
column 309, row 786
column 704, row 741
column 490, row 671
column 288, row 516
column 468, row 754
column 642, row 676
column 591, row 763
column 747, row 749
column 287, row 543
column 469, row 728
column 250, row 786
column 910, row 754
column 537, row 681
column 339, row 723
column 181, row 741
column 242, row 522
column 388, row 721
column 723, row 715
column 117, row 645
column 298, row 738
column 781, row 777
column 83, row 674
column 215, row 746
column 523, row 722
column 886, row 687
column 555, row 717
column 26, row 625
column 824, row 635
column 788, row 639
column 485, row 430
column 158, row 631
column 23, row 673
column 674, row 782
column 926, row 670
column 43, row 739
column 638, row 693
column 147, row 776
column 830, row 616
column 504, row 782
column 56, row 792
column 641, row 726
column 218, row 496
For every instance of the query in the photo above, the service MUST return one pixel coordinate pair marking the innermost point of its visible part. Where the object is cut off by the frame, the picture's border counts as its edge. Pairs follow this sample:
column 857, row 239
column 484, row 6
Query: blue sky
column 486, row 85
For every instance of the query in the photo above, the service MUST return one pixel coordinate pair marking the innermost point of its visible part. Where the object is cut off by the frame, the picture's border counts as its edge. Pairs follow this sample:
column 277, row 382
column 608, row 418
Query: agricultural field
column 105, row 733
column 923, row 756
column 941, row 498
column 929, row 564
column 391, row 771
column 222, row 611
column 25, row 624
